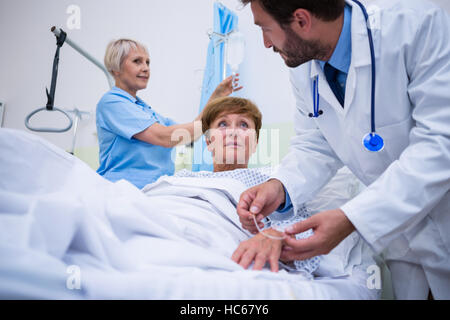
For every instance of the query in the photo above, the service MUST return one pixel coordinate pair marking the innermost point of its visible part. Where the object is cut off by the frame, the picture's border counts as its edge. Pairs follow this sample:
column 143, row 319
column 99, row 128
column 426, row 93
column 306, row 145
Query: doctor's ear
column 302, row 20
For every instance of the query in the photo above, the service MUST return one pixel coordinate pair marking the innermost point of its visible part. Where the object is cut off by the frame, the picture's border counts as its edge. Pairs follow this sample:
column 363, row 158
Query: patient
column 231, row 127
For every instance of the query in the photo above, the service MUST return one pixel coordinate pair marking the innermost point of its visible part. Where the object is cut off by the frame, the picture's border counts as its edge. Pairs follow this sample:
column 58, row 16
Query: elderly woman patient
column 231, row 127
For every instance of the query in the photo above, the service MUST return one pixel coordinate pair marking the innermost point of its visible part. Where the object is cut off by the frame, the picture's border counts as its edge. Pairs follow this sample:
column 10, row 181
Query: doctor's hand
column 259, row 249
column 330, row 228
column 261, row 201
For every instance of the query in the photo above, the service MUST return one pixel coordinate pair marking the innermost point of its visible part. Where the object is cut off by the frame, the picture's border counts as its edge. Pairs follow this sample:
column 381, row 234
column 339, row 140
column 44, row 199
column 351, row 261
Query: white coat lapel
column 360, row 70
column 360, row 67
column 325, row 92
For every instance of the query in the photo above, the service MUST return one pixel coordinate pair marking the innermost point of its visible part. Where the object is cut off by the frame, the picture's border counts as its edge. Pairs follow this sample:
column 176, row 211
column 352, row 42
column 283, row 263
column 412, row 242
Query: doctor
column 376, row 100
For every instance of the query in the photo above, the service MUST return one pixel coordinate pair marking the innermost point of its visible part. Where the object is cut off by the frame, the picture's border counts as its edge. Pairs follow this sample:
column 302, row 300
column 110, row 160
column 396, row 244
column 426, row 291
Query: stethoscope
column 371, row 141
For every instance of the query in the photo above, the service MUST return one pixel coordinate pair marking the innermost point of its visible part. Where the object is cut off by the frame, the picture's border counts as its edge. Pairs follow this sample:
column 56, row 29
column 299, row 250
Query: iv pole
column 57, row 32
column 77, row 113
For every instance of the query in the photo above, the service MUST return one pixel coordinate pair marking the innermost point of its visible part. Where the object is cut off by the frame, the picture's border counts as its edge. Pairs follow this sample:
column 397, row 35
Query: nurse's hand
column 260, row 250
column 330, row 228
column 226, row 87
column 261, row 201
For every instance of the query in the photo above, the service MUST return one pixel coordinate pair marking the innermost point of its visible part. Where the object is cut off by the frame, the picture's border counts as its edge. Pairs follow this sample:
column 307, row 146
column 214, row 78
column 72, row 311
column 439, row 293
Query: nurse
column 348, row 65
column 136, row 142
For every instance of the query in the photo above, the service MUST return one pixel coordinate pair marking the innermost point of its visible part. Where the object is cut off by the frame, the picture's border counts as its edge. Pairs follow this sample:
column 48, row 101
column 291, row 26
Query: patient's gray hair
column 117, row 51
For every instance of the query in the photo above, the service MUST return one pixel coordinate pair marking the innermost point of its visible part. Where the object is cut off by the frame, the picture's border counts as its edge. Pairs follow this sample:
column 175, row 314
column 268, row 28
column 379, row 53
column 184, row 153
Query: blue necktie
column 331, row 73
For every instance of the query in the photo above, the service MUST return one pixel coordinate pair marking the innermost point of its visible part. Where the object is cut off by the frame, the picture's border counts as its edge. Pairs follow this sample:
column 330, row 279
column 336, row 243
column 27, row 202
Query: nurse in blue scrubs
column 135, row 141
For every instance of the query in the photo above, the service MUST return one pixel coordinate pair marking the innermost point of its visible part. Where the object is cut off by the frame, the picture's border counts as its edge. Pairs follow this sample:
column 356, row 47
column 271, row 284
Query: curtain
column 225, row 21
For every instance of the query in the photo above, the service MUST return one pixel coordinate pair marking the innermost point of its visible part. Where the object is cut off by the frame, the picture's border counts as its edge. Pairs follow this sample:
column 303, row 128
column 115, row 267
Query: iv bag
column 235, row 50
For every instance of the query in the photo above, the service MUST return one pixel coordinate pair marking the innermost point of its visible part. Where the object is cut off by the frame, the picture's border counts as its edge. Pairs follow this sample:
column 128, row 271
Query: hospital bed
column 285, row 131
column 67, row 233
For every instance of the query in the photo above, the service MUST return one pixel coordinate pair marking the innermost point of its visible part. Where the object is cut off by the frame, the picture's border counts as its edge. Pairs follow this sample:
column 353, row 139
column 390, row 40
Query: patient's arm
column 259, row 249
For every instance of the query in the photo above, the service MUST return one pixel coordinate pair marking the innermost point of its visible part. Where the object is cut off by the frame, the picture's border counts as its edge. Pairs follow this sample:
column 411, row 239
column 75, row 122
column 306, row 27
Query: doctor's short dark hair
column 282, row 10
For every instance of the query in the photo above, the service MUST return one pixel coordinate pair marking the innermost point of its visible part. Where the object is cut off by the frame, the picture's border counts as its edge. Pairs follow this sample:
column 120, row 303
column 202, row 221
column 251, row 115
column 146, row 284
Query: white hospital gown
column 279, row 221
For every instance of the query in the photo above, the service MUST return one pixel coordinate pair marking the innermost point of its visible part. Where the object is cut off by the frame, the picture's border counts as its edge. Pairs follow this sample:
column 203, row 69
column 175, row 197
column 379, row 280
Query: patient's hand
column 259, row 249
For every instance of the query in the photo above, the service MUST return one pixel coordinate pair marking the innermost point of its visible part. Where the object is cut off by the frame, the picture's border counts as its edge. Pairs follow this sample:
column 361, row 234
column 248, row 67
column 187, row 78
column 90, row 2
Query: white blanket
column 65, row 232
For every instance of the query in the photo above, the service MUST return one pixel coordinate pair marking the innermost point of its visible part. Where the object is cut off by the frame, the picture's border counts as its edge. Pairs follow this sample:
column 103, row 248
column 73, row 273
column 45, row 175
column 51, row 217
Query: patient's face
column 232, row 139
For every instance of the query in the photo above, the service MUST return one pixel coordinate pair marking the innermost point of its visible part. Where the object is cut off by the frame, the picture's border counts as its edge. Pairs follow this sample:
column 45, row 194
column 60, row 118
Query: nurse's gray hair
column 117, row 51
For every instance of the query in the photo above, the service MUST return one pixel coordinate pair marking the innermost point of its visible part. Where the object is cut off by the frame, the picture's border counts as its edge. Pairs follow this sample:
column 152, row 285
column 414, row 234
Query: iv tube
column 235, row 50
column 262, row 231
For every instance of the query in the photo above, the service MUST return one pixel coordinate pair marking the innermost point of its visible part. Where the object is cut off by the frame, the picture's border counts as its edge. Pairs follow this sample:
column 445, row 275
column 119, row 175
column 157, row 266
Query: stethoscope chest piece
column 373, row 142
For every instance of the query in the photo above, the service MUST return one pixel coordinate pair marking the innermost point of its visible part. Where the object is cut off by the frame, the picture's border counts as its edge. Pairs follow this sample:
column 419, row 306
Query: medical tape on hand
column 262, row 231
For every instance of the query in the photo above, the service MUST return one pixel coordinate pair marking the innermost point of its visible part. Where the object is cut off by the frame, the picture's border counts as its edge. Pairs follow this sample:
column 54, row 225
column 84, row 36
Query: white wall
column 175, row 33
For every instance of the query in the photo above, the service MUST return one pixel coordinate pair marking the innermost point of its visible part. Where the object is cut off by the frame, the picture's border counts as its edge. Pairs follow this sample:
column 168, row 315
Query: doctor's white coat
column 405, row 210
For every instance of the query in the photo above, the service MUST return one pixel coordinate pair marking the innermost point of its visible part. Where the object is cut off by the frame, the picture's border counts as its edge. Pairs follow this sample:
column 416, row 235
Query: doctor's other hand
column 330, row 228
column 260, row 201
column 259, row 249
column 226, row 87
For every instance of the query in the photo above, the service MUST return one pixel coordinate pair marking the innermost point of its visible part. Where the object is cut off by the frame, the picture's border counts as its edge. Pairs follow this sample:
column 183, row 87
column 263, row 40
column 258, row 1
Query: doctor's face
column 134, row 72
column 232, row 139
column 292, row 48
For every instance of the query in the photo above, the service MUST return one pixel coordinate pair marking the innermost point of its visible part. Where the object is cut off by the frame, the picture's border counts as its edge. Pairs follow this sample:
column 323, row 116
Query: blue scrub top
column 119, row 117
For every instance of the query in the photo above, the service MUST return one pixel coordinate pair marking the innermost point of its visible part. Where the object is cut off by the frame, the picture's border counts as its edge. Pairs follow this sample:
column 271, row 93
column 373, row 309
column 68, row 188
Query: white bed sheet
column 56, row 212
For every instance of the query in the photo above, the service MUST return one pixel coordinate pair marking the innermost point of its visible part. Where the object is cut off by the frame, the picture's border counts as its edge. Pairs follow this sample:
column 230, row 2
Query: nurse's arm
column 171, row 136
